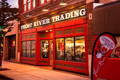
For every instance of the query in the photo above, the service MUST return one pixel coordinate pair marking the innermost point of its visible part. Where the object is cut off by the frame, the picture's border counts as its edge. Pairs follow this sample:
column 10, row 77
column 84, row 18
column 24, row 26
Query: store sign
column 103, row 47
column 65, row 16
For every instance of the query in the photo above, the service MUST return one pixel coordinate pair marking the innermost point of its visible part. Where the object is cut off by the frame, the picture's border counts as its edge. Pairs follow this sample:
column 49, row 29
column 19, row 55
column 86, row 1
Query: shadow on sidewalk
column 2, row 77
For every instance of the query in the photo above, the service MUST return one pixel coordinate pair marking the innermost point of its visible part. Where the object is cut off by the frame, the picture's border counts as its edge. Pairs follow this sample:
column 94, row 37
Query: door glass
column 79, row 48
column 44, row 48
column 69, row 48
column 60, row 48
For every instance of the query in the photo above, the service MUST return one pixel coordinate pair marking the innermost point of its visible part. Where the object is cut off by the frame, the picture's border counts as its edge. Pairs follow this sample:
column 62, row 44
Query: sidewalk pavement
column 29, row 72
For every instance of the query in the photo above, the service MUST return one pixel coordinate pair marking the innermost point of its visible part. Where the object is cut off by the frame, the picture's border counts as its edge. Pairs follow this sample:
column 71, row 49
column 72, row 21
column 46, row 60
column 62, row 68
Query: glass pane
column 69, row 48
column 28, row 48
column 25, row 7
column 60, row 48
column 34, row 3
column 24, row 45
column 25, row 1
column 33, row 45
column 29, row 6
column 44, row 48
column 42, row 1
column 79, row 48
column 24, row 48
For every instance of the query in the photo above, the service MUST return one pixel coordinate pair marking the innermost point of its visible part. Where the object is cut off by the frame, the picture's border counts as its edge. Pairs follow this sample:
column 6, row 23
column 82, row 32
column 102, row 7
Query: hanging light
column 45, row 10
column 63, row 3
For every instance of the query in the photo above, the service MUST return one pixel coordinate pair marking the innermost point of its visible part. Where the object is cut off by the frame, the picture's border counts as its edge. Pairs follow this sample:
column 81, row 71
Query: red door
column 46, row 52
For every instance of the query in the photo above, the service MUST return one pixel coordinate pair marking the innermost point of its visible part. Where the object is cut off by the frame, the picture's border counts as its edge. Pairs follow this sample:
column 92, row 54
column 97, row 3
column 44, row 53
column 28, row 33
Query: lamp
column 45, row 10
column 63, row 3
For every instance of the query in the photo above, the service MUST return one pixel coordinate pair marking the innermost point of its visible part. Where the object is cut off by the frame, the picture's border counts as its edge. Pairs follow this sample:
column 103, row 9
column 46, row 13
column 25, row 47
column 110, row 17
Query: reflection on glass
column 32, row 49
column 28, row 49
column 69, row 48
column 24, row 49
column 79, row 48
column 44, row 48
column 60, row 48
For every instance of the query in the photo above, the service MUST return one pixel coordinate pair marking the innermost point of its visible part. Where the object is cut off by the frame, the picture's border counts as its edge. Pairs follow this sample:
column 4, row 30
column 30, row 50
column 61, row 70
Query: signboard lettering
column 69, row 15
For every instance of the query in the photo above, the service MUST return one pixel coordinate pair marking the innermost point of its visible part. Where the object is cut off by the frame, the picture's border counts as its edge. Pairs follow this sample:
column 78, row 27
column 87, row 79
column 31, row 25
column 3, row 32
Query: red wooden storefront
column 61, row 44
column 57, row 45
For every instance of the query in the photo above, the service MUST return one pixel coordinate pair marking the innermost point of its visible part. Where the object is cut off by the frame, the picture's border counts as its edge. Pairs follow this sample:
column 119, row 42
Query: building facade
column 11, row 39
column 57, row 33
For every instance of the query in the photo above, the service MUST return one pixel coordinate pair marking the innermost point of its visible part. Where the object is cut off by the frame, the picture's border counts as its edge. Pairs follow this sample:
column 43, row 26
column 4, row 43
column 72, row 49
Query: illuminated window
column 34, row 3
column 71, row 49
column 25, row 6
column 42, row 1
column 28, row 49
column 29, row 4
column 60, row 48
column 25, row 1
column 79, row 48
column 44, row 48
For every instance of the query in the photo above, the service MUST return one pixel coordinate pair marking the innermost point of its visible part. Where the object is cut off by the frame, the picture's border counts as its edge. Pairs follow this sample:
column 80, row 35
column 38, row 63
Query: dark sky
column 13, row 3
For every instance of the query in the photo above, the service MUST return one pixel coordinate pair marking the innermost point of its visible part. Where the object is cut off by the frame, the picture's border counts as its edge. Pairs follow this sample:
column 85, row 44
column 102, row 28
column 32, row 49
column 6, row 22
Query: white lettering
column 65, row 16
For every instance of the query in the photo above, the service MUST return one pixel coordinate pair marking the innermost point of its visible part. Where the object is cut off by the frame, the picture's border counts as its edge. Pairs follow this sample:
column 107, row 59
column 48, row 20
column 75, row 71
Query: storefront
column 11, row 40
column 58, row 41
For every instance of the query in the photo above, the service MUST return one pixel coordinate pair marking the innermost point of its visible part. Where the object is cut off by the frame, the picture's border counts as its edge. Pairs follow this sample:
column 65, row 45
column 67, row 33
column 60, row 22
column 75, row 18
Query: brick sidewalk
column 28, row 72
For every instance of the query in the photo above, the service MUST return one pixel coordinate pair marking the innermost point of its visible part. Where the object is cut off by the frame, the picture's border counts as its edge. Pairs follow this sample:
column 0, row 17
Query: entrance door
column 12, row 48
column 46, row 51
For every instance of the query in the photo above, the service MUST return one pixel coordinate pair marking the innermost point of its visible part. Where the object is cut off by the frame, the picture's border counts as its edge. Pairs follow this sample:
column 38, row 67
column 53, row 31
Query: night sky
column 13, row 3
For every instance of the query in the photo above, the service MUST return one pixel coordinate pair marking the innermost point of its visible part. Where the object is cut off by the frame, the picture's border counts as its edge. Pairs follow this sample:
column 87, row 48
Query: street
column 17, row 71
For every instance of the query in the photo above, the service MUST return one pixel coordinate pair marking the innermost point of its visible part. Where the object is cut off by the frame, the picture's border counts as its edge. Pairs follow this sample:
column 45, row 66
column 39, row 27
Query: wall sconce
column 45, row 10
column 63, row 3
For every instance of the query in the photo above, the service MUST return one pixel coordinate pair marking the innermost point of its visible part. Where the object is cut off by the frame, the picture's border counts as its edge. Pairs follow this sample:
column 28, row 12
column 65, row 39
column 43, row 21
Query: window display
column 60, row 48
column 79, row 48
column 34, row 3
column 29, row 4
column 33, row 48
column 69, row 48
column 28, row 48
column 44, row 48
column 24, row 49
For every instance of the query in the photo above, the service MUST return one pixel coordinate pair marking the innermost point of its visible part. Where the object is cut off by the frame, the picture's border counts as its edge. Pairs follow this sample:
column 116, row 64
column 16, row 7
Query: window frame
column 83, row 59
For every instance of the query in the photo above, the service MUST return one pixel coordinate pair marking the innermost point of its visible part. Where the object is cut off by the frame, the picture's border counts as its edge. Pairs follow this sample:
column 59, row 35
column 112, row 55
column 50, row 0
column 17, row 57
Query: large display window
column 79, row 48
column 44, row 48
column 60, row 48
column 33, row 48
column 28, row 49
column 71, row 49
column 24, row 49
